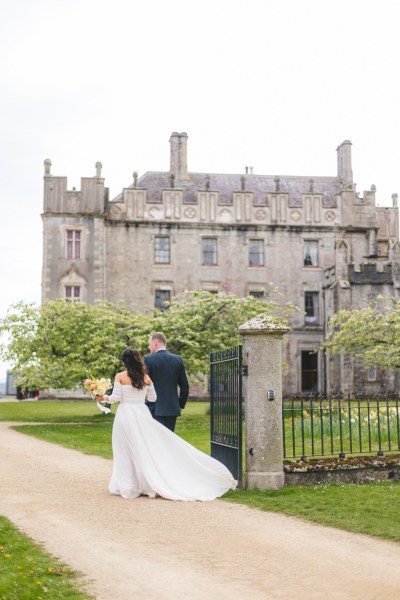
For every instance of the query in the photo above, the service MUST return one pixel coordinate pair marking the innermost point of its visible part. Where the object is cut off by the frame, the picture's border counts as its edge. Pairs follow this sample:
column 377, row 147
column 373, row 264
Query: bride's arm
column 151, row 395
column 115, row 396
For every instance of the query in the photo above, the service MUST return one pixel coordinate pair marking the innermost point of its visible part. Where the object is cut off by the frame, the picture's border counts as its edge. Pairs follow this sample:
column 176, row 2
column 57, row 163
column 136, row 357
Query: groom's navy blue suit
column 167, row 372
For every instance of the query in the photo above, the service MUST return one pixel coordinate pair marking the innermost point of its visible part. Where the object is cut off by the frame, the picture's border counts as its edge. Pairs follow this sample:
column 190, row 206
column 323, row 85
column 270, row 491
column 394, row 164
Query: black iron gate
column 226, row 409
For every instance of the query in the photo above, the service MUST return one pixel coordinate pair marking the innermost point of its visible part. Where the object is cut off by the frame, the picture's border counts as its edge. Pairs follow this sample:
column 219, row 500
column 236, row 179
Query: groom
column 167, row 372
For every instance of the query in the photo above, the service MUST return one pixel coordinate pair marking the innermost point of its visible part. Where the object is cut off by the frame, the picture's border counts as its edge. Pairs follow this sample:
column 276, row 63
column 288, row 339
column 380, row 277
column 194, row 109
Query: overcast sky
column 276, row 85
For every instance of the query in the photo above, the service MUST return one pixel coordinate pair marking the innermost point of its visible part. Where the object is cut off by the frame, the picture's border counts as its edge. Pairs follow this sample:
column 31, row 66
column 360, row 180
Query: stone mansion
column 325, row 246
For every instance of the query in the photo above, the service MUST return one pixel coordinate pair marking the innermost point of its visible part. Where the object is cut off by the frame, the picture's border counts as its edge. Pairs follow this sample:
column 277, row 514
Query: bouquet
column 98, row 387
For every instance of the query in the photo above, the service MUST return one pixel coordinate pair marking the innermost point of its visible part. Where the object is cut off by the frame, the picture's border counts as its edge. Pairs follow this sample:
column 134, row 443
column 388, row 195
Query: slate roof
column 226, row 184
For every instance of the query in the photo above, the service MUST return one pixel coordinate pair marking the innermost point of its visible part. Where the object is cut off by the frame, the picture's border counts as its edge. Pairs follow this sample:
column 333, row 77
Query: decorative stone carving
column 330, row 216
column 115, row 210
column 73, row 201
column 155, row 213
column 295, row 215
column 189, row 213
column 226, row 215
column 261, row 214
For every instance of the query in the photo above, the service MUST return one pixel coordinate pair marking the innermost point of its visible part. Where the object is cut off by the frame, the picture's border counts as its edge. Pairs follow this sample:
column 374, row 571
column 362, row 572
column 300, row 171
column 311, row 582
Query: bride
column 149, row 459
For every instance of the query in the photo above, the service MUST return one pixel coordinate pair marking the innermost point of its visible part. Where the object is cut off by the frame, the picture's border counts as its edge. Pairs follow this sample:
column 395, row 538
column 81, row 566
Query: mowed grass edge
column 27, row 572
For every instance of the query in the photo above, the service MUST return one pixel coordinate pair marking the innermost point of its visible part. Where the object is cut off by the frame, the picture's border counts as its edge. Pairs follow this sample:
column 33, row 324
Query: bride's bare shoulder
column 147, row 380
column 120, row 377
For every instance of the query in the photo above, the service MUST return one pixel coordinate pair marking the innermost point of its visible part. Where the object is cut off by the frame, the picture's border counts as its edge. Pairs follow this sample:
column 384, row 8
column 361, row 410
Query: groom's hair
column 160, row 337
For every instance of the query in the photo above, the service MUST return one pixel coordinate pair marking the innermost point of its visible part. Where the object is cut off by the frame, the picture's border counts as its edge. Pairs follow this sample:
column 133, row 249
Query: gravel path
column 158, row 549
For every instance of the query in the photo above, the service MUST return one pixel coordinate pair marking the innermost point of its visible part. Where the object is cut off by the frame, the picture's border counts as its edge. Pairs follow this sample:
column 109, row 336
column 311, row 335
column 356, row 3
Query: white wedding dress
column 150, row 459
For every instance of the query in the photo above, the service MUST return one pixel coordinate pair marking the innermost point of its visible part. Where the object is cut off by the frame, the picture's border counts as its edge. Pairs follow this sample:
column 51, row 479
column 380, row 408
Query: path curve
column 164, row 550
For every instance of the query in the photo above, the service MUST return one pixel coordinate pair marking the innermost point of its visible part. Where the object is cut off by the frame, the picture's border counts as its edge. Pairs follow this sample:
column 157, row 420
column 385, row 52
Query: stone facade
column 315, row 238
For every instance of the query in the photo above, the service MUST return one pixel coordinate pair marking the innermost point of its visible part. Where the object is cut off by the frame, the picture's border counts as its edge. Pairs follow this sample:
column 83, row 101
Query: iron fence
column 338, row 425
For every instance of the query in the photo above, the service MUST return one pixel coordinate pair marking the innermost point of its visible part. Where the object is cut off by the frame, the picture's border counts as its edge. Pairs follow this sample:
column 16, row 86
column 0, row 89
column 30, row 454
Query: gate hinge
column 245, row 370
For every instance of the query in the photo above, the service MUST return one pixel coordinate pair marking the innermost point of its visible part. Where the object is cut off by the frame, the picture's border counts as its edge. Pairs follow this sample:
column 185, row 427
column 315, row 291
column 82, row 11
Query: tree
column 370, row 334
column 201, row 322
column 60, row 343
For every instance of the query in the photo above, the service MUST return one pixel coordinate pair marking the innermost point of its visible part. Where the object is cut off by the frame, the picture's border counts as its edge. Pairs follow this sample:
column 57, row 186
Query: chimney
column 178, row 155
column 344, row 163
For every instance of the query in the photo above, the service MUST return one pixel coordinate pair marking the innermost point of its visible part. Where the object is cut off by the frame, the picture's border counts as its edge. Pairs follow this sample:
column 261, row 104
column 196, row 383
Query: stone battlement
column 371, row 272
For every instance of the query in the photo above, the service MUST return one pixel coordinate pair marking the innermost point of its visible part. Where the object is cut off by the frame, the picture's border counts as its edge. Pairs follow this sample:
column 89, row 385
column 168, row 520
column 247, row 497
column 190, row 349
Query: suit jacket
column 167, row 372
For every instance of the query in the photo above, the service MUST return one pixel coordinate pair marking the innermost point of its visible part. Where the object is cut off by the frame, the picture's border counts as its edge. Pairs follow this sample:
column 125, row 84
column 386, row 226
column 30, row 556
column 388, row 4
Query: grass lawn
column 27, row 572
column 94, row 435
column 52, row 412
column 368, row 508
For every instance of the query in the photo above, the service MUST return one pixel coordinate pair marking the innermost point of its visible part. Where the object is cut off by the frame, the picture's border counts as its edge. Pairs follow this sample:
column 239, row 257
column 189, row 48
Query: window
column 73, row 244
column 256, row 253
column 256, row 294
column 162, row 249
column 161, row 297
column 310, row 253
column 371, row 374
column 309, row 371
column 72, row 293
column 383, row 248
column 311, row 305
column 209, row 251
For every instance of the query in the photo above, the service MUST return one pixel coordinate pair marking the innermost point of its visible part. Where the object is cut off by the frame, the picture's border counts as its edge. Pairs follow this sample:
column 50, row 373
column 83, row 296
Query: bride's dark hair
column 135, row 367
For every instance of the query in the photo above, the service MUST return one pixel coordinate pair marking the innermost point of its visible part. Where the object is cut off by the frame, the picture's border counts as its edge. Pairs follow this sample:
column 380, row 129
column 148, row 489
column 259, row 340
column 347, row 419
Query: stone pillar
column 262, row 338
column 47, row 165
